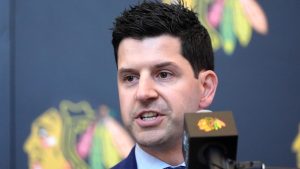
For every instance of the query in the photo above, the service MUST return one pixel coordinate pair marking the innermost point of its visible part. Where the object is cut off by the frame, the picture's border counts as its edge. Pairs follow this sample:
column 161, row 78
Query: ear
column 208, row 82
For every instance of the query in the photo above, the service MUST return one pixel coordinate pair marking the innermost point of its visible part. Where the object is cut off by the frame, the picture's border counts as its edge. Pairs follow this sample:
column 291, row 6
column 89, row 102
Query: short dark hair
column 150, row 19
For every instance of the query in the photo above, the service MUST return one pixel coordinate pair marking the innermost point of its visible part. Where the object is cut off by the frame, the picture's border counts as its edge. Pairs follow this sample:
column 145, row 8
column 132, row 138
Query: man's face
column 156, row 87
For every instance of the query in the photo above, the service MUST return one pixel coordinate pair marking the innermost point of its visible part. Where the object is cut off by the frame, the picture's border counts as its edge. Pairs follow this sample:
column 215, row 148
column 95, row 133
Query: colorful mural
column 76, row 135
column 296, row 147
column 229, row 21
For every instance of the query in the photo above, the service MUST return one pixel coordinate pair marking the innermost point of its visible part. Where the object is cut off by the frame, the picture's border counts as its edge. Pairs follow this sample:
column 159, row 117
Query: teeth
column 149, row 116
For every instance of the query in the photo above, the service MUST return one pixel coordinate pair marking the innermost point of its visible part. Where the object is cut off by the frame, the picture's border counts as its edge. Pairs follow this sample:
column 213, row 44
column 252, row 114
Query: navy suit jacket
column 129, row 162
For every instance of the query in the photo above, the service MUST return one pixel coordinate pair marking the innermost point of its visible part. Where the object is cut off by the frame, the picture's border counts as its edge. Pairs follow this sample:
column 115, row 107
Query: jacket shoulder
column 128, row 163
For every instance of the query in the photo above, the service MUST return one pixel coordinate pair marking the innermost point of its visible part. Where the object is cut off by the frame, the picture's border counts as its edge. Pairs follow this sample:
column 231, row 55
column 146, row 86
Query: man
column 165, row 69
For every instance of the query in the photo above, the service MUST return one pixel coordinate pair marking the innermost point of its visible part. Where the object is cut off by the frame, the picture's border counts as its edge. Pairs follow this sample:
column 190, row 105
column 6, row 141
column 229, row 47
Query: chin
column 148, row 142
column 148, row 139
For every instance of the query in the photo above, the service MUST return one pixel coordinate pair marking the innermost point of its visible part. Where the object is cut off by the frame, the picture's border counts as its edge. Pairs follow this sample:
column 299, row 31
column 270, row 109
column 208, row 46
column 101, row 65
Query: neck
column 169, row 154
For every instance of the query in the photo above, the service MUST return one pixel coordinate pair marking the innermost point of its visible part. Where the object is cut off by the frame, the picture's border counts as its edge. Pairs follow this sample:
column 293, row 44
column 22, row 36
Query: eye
column 129, row 79
column 165, row 75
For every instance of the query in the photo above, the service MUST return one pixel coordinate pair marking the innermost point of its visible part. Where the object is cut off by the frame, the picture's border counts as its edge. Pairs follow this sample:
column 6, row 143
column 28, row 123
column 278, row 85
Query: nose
column 146, row 90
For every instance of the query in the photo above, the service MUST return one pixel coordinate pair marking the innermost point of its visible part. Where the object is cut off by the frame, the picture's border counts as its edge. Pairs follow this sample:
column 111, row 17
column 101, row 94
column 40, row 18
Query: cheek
column 125, row 100
column 125, row 117
column 185, row 98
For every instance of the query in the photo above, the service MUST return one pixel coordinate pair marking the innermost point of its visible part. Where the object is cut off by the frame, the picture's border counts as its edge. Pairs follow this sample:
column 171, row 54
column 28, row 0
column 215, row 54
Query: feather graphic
column 242, row 28
column 109, row 152
column 296, row 147
column 167, row 1
column 116, row 131
column 255, row 15
column 229, row 21
column 96, row 158
column 190, row 4
column 214, row 14
column 201, row 7
column 85, row 141
column 226, row 28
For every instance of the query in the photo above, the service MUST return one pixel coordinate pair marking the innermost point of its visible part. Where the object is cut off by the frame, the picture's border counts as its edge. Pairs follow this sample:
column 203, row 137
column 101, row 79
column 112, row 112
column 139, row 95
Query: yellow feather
column 166, row 1
column 296, row 147
column 215, row 39
column 228, row 47
column 189, row 3
column 242, row 27
column 111, row 155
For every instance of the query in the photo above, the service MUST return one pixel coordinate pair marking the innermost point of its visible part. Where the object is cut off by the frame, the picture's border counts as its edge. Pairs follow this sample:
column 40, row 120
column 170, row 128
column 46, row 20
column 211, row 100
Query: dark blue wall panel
column 4, row 84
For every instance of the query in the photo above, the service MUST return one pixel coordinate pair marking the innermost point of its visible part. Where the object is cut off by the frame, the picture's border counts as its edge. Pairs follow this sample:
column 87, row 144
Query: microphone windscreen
column 203, row 131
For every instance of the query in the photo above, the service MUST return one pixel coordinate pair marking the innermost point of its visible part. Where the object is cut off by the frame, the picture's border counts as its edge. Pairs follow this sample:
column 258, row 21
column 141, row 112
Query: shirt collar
column 147, row 161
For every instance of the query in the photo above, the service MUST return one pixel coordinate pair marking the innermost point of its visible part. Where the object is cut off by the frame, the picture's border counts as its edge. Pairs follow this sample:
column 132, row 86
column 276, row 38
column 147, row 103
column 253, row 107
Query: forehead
column 149, row 50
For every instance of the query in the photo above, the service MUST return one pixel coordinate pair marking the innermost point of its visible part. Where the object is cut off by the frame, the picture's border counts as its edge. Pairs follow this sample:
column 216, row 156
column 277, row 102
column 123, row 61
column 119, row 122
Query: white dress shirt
column 147, row 161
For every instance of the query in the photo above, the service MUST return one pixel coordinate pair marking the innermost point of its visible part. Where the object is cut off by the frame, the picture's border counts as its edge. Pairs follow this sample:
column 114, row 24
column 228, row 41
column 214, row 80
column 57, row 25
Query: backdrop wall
column 5, row 81
column 62, row 50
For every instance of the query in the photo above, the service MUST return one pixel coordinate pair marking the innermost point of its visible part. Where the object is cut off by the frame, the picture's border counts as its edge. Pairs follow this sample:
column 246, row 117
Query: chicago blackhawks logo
column 208, row 124
column 229, row 22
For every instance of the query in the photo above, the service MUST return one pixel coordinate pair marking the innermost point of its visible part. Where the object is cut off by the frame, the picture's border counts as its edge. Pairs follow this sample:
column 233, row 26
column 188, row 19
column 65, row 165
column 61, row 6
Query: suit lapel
column 129, row 162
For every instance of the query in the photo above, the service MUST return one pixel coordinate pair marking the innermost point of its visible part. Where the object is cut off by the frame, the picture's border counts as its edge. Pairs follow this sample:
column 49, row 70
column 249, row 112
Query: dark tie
column 179, row 167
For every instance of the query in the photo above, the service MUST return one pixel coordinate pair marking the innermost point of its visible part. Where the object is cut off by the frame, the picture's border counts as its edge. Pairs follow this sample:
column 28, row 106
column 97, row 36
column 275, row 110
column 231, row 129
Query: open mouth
column 149, row 116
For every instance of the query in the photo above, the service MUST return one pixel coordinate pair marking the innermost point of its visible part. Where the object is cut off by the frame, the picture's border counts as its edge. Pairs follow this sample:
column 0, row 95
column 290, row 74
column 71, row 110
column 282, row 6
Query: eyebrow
column 157, row 66
column 165, row 64
column 125, row 70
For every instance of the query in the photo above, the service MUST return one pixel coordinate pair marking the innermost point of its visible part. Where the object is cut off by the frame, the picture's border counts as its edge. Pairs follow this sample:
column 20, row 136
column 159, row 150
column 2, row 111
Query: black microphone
column 210, row 140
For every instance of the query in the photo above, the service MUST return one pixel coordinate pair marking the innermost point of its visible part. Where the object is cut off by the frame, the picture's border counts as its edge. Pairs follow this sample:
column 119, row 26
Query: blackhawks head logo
column 208, row 124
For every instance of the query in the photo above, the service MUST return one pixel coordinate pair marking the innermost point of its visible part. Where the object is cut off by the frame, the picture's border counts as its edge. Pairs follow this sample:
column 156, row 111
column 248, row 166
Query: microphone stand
column 231, row 164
